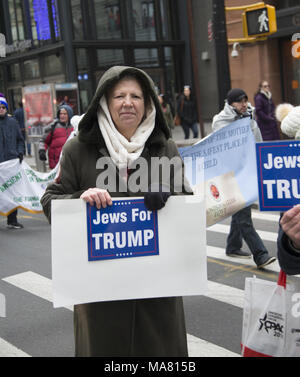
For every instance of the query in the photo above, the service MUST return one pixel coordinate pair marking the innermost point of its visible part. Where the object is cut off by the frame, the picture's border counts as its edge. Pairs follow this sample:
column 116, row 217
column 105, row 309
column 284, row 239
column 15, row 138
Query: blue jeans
column 186, row 130
column 242, row 228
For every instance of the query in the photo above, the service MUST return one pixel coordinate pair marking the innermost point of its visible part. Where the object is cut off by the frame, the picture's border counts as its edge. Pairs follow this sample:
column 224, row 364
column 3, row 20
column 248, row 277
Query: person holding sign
column 123, row 125
column 289, row 241
column 241, row 227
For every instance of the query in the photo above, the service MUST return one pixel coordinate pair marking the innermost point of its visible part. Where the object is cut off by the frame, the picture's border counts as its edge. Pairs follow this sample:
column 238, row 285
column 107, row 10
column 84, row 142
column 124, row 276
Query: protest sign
column 278, row 171
column 229, row 169
column 176, row 268
column 127, row 229
column 22, row 187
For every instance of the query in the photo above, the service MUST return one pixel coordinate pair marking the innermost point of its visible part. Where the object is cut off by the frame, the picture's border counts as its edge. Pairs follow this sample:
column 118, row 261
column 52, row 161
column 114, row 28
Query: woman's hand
column 290, row 223
column 98, row 197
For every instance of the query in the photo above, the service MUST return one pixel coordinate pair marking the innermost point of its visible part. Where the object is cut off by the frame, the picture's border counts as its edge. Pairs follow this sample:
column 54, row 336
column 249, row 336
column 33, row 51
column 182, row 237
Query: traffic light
column 259, row 22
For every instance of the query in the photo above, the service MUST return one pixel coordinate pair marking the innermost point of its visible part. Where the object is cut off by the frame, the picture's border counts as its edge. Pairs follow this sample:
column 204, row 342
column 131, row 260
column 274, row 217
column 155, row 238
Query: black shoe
column 265, row 263
column 15, row 226
column 238, row 254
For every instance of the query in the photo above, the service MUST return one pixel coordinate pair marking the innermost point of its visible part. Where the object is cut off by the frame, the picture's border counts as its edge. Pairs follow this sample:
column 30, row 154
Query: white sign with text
column 179, row 269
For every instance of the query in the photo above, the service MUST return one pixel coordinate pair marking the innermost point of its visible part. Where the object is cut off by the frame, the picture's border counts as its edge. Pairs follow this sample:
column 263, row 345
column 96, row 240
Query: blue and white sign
column 124, row 230
column 229, row 169
column 278, row 171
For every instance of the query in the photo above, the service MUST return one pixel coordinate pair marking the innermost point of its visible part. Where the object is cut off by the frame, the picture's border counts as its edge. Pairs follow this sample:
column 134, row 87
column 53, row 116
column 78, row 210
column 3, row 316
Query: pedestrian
column 11, row 147
column 55, row 136
column 288, row 242
column 289, row 116
column 19, row 115
column 187, row 111
column 167, row 111
column 124, row 122
column 265, row 112
column 241, row 227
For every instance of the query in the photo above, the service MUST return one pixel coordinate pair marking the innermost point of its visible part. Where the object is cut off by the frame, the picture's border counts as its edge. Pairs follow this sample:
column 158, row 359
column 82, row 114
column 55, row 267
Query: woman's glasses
column 2, row 108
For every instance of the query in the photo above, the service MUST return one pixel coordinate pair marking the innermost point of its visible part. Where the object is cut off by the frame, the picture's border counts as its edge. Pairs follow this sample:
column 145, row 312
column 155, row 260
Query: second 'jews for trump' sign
column 278, row 170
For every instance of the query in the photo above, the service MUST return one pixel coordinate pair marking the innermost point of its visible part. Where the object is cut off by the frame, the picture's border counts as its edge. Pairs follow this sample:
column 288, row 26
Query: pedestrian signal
column 259, row 22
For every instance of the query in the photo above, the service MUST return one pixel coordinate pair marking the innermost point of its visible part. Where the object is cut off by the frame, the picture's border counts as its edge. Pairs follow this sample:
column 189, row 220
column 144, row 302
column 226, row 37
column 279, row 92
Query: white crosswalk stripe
column 41, row 287
column 222, row 228
column 8, row 350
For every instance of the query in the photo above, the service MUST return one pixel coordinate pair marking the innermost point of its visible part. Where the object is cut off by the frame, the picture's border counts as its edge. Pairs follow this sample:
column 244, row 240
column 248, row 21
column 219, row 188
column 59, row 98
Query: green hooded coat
column 139, row 328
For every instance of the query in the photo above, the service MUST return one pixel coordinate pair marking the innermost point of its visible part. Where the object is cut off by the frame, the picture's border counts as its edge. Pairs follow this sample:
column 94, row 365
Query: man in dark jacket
column 289, row 241
column 11, row 147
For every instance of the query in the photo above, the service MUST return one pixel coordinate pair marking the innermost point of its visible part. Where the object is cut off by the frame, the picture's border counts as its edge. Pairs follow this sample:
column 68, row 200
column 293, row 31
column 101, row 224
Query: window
column 145, row 57
column 107, row 58
column 14, row 72
column 108, row 19
column 165, row 19
column 52, row 65
column 44, row 20
column 81, row 59
column 77, row 19
column 143, row 19
column 31, row 69
column 16, row 19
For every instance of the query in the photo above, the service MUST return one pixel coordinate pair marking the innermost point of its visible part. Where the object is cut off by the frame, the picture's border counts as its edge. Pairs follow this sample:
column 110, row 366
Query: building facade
column 177, row 42
column 59, row 41
column 272, row 59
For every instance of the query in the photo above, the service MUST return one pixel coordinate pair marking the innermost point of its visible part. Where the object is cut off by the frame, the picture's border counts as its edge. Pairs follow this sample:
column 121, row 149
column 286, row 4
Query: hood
column 88, row 126
column 229, row 115
column 68, row 109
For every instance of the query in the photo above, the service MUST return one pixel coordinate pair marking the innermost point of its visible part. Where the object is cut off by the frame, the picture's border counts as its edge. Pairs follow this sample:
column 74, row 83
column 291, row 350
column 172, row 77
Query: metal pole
column 195, row 65
column 222, row 61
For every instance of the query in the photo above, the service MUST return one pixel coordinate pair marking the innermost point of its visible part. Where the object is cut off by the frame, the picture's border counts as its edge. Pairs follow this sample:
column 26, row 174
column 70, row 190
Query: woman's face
column 63, row 116
column 126, row 106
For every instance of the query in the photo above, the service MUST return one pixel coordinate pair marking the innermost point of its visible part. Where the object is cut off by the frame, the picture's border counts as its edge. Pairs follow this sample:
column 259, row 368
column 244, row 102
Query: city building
column 177, row 42
column 66, row 41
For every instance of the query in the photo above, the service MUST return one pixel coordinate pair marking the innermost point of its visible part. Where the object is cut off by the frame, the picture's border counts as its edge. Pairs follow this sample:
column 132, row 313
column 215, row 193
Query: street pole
column 221, row 46
column 195, row 65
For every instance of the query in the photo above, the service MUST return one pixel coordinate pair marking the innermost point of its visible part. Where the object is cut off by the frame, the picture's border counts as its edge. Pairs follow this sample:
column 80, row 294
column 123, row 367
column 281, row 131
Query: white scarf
column 267, row 94
column 122, row 151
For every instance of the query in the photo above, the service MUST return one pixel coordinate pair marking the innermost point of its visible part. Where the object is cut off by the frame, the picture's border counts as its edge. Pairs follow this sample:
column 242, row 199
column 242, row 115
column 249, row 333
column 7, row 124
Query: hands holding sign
column 98, row 197
column 101, row 198
column 290, row 224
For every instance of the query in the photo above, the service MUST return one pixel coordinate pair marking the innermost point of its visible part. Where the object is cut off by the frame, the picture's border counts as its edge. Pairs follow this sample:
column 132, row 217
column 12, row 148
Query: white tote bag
column 271, row 318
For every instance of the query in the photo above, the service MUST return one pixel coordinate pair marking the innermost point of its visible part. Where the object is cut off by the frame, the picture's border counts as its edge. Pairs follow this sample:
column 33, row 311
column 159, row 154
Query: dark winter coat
column 289, row 259
column 11, row 139
column 186, row 109
column 145, row 327
column 55, row 136
column 265, row 116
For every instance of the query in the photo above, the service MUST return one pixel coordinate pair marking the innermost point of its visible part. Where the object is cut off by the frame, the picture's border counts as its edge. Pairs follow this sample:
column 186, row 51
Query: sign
column 125, row 230
column 228, row 171
column 178, row 270
column 38, row 106
column 22, row 187
column 278, row 170
column 260, row 22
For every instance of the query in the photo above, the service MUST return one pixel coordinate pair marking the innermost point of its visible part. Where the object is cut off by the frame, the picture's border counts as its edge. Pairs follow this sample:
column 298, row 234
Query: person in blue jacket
column 11, row 146
column 288, row 241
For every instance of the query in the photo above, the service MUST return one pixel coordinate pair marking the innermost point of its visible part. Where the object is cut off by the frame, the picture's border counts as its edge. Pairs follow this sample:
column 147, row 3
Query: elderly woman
column 124, row 122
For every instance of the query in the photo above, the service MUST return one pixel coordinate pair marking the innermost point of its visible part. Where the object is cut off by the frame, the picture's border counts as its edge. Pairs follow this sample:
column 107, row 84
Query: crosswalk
column 41, row 287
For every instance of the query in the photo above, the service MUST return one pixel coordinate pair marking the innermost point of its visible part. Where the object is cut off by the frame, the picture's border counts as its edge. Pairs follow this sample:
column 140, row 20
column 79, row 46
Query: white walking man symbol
column 262, row 20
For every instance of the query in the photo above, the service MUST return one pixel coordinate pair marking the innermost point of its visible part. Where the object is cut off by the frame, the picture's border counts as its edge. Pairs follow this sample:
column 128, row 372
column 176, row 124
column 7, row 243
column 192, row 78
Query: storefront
column 51, row 41
column 289, row 44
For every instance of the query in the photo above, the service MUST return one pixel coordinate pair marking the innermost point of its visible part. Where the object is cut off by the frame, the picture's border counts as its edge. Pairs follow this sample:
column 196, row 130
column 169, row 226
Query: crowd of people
column 127, row 119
